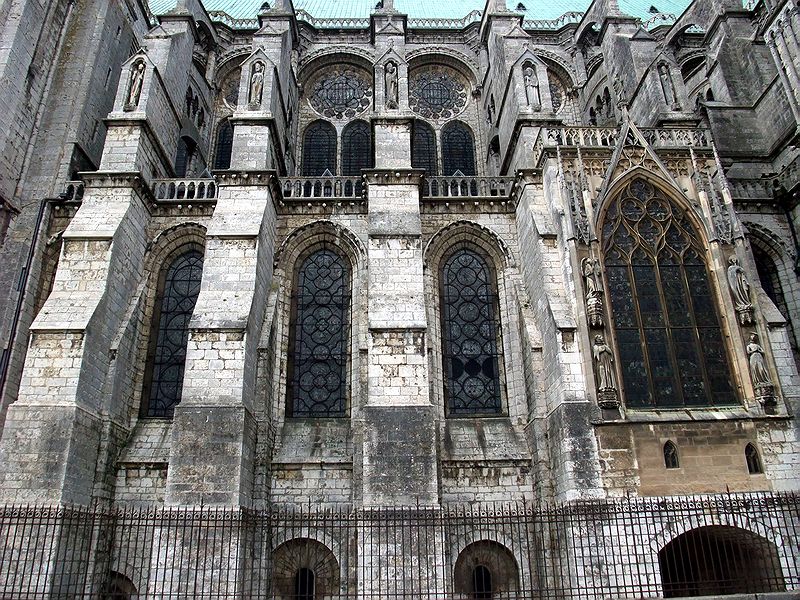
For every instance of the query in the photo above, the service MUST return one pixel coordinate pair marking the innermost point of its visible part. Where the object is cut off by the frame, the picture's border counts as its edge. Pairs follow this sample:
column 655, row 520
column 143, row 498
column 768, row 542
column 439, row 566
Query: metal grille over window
column 181, row 287
column 458, row 150
column 470, row 327
column 222, row 159
column 437, row 93
column 318, row 335
column 356, row 148
column 667, row 330
column 423, row 148
column 319, row 149
column 341, row 94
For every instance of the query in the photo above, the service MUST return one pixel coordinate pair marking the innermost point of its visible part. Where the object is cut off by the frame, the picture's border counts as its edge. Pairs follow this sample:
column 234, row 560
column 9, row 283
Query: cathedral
column 336, row 300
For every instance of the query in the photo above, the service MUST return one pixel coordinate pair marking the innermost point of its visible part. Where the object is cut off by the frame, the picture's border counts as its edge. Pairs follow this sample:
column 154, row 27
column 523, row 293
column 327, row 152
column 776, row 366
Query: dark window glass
column 753, row 460
column 671, row 456
column 470, row 327
column 222, row 159
column 666, row 323
column 423, row 148
column 318, row 337
column 180, row 288
column 771, row 282
column 481, row 583
column 356, row 148
column 319, row 149
column 458, row 149
column 183, row 157
column 304, row 585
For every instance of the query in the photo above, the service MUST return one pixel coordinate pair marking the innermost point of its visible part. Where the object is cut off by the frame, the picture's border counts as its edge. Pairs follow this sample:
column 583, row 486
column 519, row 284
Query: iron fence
column 638, row 547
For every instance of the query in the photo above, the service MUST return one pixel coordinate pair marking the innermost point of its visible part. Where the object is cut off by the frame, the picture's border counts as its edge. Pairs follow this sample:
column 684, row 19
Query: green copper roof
column 534, row 10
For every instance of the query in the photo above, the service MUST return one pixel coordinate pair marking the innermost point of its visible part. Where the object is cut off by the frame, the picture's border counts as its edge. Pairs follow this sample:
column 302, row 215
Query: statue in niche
column 667, row 87
column 492, row 110
column 740, row 291
column 590, row 268
column 606, row 377
column 531, row 86
column 135, row 86
column 762, row 382
column 256, row 85
column 390, row 79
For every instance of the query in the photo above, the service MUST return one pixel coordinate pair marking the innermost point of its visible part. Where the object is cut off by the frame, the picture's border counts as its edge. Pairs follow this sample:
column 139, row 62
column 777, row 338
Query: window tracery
column 665, row 321
column 470, row 332
column 224, row 149
column 170, row 334
column 318, row 336
column 437, row 92
column 342, row 93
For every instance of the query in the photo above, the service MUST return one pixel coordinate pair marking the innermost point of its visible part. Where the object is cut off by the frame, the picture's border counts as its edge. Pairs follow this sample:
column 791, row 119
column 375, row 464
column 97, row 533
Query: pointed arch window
column 224, row 149
column 183, row 158
column 318, row 336
column 319, row 149
column 470, row 330
column 752, row 459
column 179, row 288
column 356, row 148
column 423, row 148
column 665, row 321
column 458, row 149
column 671, row 460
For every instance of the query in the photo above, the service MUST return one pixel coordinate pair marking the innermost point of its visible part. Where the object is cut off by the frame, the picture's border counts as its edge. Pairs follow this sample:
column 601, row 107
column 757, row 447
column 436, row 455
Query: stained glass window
column 470, row 329
column 556, row 91
column 437, row 92
column 319, row 149
column 222, row 159
column 180, row 288
column 458, row 149
column 356, row 148
column 423, row 148
column 667, row 330
column 341, row 94
column 318, row 336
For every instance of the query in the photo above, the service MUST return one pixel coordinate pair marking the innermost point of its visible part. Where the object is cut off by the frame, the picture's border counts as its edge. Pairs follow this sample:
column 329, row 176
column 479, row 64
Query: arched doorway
column 716, row 560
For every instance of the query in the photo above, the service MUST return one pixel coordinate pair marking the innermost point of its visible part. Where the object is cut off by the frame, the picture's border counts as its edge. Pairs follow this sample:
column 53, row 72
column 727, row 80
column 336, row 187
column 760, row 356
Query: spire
column 496, row 6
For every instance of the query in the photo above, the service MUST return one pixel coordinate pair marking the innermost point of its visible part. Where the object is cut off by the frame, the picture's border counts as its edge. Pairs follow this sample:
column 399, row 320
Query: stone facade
column 509, row 138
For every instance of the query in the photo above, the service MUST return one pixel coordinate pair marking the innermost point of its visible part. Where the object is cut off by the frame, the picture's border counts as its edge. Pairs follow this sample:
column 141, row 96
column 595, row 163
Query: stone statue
column 531, row 86
column 256, row 85
column 606, row 377
column 740, row 291
column 390, row 79
column 590, row 268
column 135, row 86
column 758, row 366
column 604, row 359
column 667, row 86
column 762, row 382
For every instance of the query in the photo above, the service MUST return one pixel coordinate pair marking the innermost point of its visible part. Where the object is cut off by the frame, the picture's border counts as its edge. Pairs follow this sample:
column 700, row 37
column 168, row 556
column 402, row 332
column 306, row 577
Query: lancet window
column 179, row 288
column 458, row 149
column 423, row 148
column 470, row 334
column 356, row 148
column 319, row 149
column 318, row 336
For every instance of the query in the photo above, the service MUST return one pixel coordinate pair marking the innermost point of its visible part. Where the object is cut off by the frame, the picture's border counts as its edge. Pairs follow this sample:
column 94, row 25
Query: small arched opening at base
column 718, row 560
column 120, row 587
column 484, row 570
